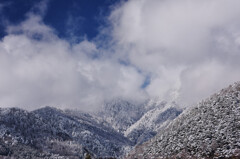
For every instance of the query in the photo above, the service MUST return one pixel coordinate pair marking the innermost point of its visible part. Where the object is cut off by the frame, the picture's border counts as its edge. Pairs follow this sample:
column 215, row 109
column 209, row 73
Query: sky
column 81, row 53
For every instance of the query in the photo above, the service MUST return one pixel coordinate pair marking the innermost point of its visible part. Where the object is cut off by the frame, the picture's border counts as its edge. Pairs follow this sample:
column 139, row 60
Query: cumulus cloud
column 190, row 48
column 180, row 50
column 37, row 68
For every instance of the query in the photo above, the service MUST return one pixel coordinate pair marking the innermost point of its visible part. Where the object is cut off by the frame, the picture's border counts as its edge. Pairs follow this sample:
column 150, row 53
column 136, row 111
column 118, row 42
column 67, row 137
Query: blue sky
column 81, row 53
column 78, row 17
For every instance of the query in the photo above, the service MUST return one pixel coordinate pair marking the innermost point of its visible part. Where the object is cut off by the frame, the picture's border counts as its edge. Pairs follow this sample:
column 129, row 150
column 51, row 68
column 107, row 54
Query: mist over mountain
column 140, row 51
column 119, row 78
column 153, row 129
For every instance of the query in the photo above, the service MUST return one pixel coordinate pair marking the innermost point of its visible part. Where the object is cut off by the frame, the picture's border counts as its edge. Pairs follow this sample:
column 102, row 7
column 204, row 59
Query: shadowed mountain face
column 211, row 129
column 151, row 122
column 53, row 132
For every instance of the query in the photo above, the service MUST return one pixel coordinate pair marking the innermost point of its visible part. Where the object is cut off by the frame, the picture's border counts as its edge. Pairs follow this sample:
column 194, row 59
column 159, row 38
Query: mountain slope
column 155, row 119
column 120, row 114
column 212, row 129
column 96, row 138
column 49, row 133
column 138, row 122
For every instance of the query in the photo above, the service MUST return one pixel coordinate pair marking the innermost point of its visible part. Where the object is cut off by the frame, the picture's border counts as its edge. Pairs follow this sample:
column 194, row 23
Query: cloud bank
column 181, row 50
column 190, row 48
column 37, row 69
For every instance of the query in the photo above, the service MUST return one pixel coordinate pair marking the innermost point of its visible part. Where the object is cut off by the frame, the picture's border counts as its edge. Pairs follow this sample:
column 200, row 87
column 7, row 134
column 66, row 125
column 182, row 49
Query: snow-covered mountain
column 120, row 114
column 209, row 130
column 49, row 132
column 112, row 132
column 139, row 122
column 156, row 117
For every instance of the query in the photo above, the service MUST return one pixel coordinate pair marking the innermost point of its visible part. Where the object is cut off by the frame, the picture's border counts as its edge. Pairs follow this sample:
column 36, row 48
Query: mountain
column 120, row 114
column 141, row 122
column 98, row 139
column 22, row 134
column 156, row 117
column 209, row 130
column 51, row 133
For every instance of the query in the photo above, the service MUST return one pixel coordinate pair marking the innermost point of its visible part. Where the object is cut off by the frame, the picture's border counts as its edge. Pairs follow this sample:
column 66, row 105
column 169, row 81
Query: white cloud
column 37, row 69
column 187, row 48
column 174, row 40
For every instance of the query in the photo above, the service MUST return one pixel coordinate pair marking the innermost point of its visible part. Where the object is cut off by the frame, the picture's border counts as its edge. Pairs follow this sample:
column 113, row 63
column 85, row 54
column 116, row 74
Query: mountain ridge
column 70, row 133
column 209, row 130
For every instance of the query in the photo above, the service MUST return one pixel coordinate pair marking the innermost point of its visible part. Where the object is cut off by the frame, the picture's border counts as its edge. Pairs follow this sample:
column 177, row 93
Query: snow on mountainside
column 152, row 121
column 120, row 114
column 52, row 133
column 210, row 130
column 49, row 132
column 98, row 139
column 139, row 122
